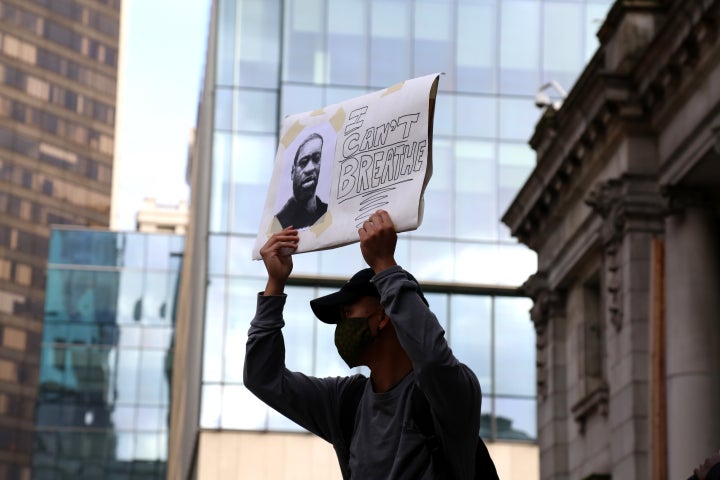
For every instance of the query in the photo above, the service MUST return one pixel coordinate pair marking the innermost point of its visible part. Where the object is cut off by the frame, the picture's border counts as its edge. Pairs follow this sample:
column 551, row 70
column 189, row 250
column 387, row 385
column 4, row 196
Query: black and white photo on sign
column 304, row 190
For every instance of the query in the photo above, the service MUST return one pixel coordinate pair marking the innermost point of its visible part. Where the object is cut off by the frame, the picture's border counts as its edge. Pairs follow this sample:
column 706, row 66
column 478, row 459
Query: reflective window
column 217, row 254
column 223, row 109
column 241, row 302
column 438, row 216
column 476, row 116
column 519, row 46
column 304, row 49
column 256, row 111
column 220, row 196
column 515, row 162
column 253, row 159
column 475, row 190
column 562, row 60
column 347, row 32
column 226, row 38
column 258, row 60
column 431, row 259
column 444, row 118
column 214, row 329
column 476, row 58
column 518, row 117
column 433, row 46
column 104, row 394
column 389, row 42
column 300, row 98
column 514, row 347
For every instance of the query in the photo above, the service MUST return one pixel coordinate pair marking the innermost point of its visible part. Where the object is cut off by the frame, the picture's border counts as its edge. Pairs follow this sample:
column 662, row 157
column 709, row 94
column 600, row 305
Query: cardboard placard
column 336, row 166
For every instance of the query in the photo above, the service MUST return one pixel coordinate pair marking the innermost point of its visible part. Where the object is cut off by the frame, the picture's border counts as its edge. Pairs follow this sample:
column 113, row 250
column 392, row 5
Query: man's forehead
column 311, row 145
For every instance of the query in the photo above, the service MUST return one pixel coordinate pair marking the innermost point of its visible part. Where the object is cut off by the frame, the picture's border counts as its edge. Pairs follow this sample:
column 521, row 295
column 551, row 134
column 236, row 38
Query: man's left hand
column 378, row 240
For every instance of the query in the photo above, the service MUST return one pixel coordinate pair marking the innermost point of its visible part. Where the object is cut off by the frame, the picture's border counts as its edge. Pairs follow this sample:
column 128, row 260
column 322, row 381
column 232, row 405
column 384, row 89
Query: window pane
column 226, row 42
column 300, row 98
column 242, row 410
column 240, row 259
column 476, row 46
column 515, row 418
column 389, row 42
column 444, row 116
column 241, row 301
column 431, row 260
column 259, row 46
column 341, row 262
column 347, row 32
column 223, row 109
column 222, row 153
column 562, row 60
column 434, row 40
column 519, row 46
column 438, row 214
column 516, row 161
column 476, row 116
column 477, row 263
column 252, row 164
column 518, row 117
column 470, row 335
column 256, row 111
column 217, row 254
column 214, row 328
column 210, row 406
column 513, row 264
column 475, row 190
column 514, row 347
column 304, row 41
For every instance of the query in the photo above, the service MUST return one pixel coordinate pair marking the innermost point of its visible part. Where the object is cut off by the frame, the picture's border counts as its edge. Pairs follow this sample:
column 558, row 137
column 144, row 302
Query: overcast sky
column 162, row 57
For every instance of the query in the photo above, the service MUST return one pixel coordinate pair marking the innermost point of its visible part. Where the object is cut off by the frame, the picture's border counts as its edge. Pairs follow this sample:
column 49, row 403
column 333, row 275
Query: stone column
column 693, row 336
column 548, row 316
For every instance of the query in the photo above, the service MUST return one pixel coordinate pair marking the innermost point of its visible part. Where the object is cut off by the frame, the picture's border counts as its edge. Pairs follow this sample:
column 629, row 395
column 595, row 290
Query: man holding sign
column 418, row 416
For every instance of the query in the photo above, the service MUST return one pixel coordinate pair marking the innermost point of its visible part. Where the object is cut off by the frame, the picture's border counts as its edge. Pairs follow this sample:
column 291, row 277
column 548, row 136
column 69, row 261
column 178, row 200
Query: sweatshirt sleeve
column 451, row 387
column 311, row 402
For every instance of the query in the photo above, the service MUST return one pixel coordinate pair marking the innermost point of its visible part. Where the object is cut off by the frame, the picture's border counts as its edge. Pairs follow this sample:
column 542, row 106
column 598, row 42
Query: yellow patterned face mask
column 352, row 336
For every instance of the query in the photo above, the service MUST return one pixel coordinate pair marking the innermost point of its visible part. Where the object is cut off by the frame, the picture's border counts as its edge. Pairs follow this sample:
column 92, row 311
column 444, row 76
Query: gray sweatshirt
column 386, row 443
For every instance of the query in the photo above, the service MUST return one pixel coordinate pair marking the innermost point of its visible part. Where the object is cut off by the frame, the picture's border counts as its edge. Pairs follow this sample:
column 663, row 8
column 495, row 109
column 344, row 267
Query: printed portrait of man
column 305, row 207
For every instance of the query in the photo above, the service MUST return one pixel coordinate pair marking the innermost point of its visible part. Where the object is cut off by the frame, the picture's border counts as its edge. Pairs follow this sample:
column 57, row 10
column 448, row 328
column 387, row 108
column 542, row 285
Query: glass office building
column 268, row 59
column 103, row 402
column 58, row 76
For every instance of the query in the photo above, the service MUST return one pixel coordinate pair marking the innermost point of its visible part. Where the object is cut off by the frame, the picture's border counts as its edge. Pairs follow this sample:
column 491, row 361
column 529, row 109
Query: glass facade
column 103, row 403
column 58, row 75
column 277, row 58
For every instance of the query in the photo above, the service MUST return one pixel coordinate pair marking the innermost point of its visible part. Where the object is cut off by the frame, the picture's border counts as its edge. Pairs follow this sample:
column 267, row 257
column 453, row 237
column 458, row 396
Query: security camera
column 542, row 100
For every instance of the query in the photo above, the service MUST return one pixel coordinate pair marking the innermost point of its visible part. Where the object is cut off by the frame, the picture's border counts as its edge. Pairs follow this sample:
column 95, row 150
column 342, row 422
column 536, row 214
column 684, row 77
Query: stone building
column 623, row 209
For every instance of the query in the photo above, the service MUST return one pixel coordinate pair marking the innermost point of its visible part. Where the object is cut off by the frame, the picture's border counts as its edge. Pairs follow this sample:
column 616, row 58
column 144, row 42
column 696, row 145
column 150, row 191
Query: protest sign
column 336, row 166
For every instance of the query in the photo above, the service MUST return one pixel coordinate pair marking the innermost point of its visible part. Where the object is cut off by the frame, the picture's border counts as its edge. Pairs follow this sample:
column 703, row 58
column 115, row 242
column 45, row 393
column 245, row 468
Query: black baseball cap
column 327, row 308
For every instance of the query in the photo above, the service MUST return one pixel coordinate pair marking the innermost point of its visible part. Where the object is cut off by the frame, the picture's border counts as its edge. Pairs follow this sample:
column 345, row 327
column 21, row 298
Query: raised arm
column 309, row 401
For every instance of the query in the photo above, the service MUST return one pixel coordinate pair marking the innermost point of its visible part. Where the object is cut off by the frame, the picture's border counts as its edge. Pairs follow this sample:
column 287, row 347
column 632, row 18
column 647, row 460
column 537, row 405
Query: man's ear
column 384, row 320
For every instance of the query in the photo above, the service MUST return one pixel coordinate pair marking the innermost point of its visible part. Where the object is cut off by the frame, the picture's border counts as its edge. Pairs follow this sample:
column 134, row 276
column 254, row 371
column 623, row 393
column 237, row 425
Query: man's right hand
column 276, row 255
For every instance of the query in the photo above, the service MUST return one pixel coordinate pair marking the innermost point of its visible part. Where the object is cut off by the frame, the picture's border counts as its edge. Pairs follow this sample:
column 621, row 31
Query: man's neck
column 389, row 370
column 310, row 204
